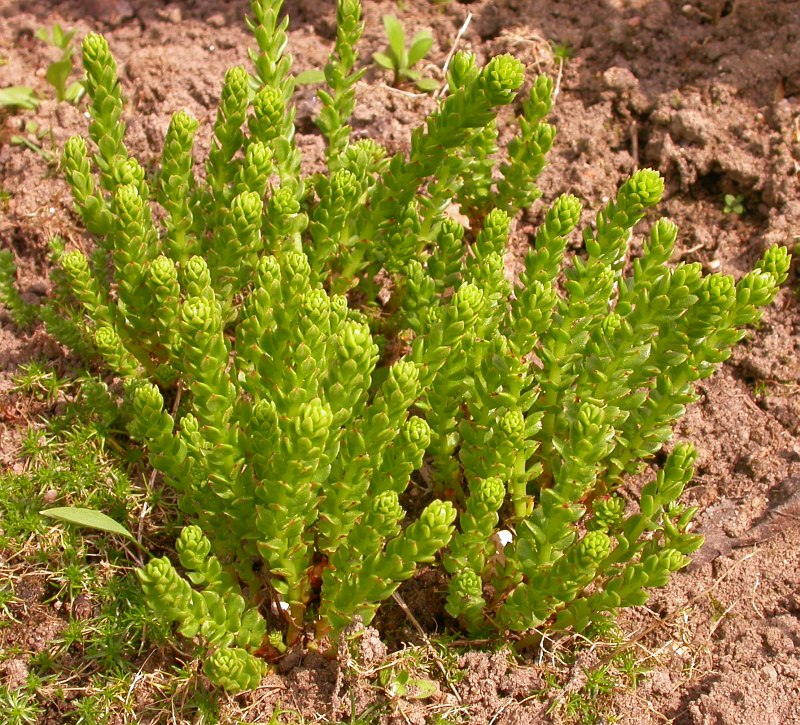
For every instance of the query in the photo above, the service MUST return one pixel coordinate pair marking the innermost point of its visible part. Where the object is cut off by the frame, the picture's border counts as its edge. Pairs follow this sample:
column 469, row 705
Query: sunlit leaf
column 396, row 35
column 383, row 60
column 422, row 43
column 310, row 77
column 88, row 518
column 19, row 97
column 427, row 84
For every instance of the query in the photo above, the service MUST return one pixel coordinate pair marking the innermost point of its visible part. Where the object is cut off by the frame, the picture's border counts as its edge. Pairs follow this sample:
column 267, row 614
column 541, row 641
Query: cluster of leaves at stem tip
column 336, row 335
column 401, row 59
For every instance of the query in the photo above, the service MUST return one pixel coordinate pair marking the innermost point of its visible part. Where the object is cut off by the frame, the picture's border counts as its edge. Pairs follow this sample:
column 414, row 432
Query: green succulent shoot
column 297, row 349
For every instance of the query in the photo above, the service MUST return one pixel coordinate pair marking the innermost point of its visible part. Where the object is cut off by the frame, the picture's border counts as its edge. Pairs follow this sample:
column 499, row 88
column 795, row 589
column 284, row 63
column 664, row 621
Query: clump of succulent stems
column 257, row 291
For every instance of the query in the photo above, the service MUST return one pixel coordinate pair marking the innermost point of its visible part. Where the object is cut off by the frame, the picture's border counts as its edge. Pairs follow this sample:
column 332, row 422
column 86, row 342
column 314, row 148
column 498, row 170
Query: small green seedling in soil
column 59, row 71
column 400, row 683
column 401, row 60
column 22, row 313
column 562, row 52
column 34, row 379
column 19, row 706
column 734, row 204
column 32, row 140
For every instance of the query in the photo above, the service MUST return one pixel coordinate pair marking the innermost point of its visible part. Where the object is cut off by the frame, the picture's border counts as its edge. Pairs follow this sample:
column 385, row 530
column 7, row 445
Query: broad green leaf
column 427, row 84
column 384, row 61
column 58, row 36
column 401, row 684
column 64, row 37
column 422, row 43
column 310, row 77
column 89, row 518
column 20, row 97
column 67, row 40
column 420, row 689
column 75, row 91
column 396, row 36
column 57, row 75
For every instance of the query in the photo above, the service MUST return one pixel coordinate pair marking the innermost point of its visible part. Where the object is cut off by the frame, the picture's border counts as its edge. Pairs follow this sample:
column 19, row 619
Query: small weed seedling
column 32, row 140
column 734, row 204
column 19, row 706
column 59, row 71
column 401, row 59
column 38, row 382
column 21, row 312
column 562, row 52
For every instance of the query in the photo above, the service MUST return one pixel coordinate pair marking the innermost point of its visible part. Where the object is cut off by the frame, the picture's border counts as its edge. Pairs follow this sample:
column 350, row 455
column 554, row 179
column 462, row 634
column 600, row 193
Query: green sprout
column 59, row 71
column 20, row 706
column 32, row 139
column 401, row 59
column 22, row 313
column 400, row 683
column 734, row 204
column 562, row 52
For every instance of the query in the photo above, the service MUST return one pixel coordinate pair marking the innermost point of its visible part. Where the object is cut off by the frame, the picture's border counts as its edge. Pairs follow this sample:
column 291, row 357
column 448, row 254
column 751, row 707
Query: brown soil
column 708, row 92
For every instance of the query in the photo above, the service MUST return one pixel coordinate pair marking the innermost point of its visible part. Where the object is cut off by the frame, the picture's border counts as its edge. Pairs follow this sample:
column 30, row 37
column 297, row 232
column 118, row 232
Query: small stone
column 38, row 288
column 82, row 607
column 217, row 20
column 15, row 672
column 113, row 13
column 620, row 79
column 171, row 13
column 661, row 682
column 770, row 673
column 690, row 125
column 50, row 495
